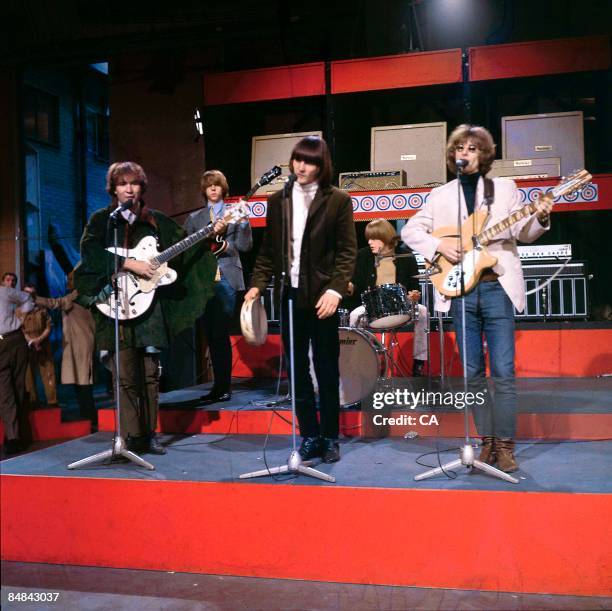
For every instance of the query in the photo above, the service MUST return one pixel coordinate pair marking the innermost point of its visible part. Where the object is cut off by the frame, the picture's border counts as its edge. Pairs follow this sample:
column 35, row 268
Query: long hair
column 481, row 137
column 381, row 229
column 214, row 177
column 314, row 150
column 124, row 168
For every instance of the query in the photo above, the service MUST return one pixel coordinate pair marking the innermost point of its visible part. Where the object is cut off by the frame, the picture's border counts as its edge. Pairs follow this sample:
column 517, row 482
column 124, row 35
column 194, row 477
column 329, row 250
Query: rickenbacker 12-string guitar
column 134, row 293
column 446, row 276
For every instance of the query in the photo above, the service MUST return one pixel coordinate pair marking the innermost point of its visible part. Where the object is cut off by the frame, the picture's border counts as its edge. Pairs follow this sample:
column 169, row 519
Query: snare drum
column 388, row 306
column 362, row 364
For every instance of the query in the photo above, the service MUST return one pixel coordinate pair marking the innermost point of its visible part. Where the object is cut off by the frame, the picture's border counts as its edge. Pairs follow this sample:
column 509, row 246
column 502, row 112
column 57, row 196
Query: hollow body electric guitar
column 446, row 276
column 134, row 293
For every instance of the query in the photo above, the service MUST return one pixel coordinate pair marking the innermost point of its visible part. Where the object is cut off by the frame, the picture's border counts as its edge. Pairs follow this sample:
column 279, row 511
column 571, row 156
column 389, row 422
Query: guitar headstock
column 575, row 182
column 269, row 176
column 234, row 213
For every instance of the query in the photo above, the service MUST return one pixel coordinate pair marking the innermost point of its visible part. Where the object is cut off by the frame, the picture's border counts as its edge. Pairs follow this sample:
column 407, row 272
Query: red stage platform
column 562, row 351
column 46, row 424
column 500, row 540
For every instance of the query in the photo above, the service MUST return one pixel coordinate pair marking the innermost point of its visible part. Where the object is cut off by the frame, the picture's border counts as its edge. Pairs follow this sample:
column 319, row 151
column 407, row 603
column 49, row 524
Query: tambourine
column 254, row 322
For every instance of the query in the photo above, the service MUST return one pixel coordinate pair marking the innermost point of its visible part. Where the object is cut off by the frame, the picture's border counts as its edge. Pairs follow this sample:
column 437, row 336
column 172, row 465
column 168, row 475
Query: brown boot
column 488, row 450
column 505, row 455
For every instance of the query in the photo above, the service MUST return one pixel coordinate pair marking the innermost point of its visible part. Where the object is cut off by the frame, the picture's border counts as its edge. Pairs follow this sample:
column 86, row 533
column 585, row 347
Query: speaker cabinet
column 559, row 134
column 268, row 151
column 419, row 150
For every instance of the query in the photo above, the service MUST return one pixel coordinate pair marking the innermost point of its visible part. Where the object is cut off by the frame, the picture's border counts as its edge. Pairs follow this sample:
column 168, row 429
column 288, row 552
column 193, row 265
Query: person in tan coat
column 78, row 330
column 37, row 326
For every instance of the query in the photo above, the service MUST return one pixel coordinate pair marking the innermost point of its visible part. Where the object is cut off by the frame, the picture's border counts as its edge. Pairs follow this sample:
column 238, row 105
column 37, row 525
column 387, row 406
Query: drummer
column 377, row 265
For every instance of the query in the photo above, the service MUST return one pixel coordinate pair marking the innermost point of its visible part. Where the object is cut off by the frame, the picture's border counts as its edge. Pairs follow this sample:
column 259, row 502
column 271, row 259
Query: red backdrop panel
column 393, row 71
column 539, row 57
column 276, row 83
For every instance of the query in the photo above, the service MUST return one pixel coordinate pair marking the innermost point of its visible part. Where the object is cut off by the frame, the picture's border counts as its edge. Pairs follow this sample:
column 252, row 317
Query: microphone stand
column 466, row 452
column 295, row 464
column 119, row 447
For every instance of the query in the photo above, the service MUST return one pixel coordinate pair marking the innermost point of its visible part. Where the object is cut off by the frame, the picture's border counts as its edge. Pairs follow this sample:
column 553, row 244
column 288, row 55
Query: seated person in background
column 36, row 326
column 382, row 240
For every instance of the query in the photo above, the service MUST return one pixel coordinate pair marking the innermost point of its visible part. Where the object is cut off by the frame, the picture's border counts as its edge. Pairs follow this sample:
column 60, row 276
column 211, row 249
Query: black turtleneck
column 469, row 182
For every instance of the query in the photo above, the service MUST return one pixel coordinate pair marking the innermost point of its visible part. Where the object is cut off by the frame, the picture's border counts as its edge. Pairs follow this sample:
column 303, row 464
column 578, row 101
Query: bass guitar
column 134, row 294
column 446, row 276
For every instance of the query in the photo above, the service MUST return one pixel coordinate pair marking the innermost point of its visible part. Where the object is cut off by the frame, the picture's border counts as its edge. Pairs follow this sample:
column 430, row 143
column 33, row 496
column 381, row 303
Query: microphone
column 289, row 184
column 127, row 205
column 461, row 163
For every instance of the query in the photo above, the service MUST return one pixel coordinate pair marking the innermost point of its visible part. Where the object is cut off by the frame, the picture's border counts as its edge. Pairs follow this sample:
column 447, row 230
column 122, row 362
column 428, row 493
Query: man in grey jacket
column 231, row 239
column 13, row 362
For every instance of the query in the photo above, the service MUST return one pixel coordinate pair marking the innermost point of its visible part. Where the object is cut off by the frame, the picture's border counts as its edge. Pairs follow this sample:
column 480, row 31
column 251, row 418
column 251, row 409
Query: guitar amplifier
column 524, row 169
column 372, row 181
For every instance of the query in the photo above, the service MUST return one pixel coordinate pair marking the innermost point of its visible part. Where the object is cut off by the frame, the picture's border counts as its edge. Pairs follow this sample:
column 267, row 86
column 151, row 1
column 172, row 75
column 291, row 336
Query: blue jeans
column 489, row 313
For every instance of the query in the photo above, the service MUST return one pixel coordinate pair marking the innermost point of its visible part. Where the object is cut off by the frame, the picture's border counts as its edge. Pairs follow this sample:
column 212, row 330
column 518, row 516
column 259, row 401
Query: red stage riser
column 46, row 424
column 257, row 422
column 540, row 353
column 511, row 541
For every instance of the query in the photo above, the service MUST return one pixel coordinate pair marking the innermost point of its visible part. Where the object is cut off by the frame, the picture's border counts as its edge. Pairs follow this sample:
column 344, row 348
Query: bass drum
column 362, row 364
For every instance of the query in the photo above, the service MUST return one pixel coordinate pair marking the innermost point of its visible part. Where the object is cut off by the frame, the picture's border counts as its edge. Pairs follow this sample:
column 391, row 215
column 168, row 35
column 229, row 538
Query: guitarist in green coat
column 173, row 309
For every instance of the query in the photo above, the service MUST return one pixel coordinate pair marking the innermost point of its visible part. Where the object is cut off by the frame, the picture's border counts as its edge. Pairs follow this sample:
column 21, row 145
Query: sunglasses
column 471, row 148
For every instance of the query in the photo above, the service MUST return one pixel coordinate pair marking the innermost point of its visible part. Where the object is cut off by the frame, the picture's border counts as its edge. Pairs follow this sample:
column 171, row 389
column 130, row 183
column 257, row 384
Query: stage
column 549, row 534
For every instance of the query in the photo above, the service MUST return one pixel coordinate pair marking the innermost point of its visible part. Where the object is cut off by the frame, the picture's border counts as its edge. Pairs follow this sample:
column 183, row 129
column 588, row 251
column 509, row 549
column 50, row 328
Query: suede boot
column 504, row 449
column 488, row 452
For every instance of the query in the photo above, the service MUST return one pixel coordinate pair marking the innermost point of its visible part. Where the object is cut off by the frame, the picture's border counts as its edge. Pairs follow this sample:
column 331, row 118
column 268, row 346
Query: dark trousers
column 323, row 334
column 13, row 367
column 85, row 399
column 139, row 391
column 216, row 325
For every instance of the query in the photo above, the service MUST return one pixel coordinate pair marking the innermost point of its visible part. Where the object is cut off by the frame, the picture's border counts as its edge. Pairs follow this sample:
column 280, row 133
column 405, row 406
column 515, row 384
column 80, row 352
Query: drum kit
column 365, row 359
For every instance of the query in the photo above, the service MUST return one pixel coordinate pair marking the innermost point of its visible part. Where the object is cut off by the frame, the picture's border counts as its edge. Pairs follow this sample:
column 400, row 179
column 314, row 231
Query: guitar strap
column 212, row 220
column 489, row 193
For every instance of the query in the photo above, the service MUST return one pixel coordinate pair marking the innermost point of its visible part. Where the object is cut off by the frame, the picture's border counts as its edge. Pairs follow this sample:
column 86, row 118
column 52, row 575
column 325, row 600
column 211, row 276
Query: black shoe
column 13, row 446
column 330, row 450
column 215, row 397
column 310, row 448
column 155, row 446
column 418, row 367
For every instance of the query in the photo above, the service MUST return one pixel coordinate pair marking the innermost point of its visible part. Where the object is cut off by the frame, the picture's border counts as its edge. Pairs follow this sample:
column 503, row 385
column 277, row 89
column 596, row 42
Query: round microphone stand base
column 119, row 449
column 294, row 465
column 467, row 460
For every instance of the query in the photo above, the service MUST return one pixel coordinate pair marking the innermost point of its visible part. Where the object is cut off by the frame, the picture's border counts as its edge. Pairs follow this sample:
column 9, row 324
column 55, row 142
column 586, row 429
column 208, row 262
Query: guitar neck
column 488, row 234
column 183, row 245
column 194, row 238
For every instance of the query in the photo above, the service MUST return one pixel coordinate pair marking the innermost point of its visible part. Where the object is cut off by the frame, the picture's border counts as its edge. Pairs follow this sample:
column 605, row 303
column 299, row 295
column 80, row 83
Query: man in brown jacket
column 315, row 270
column 37, row 328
